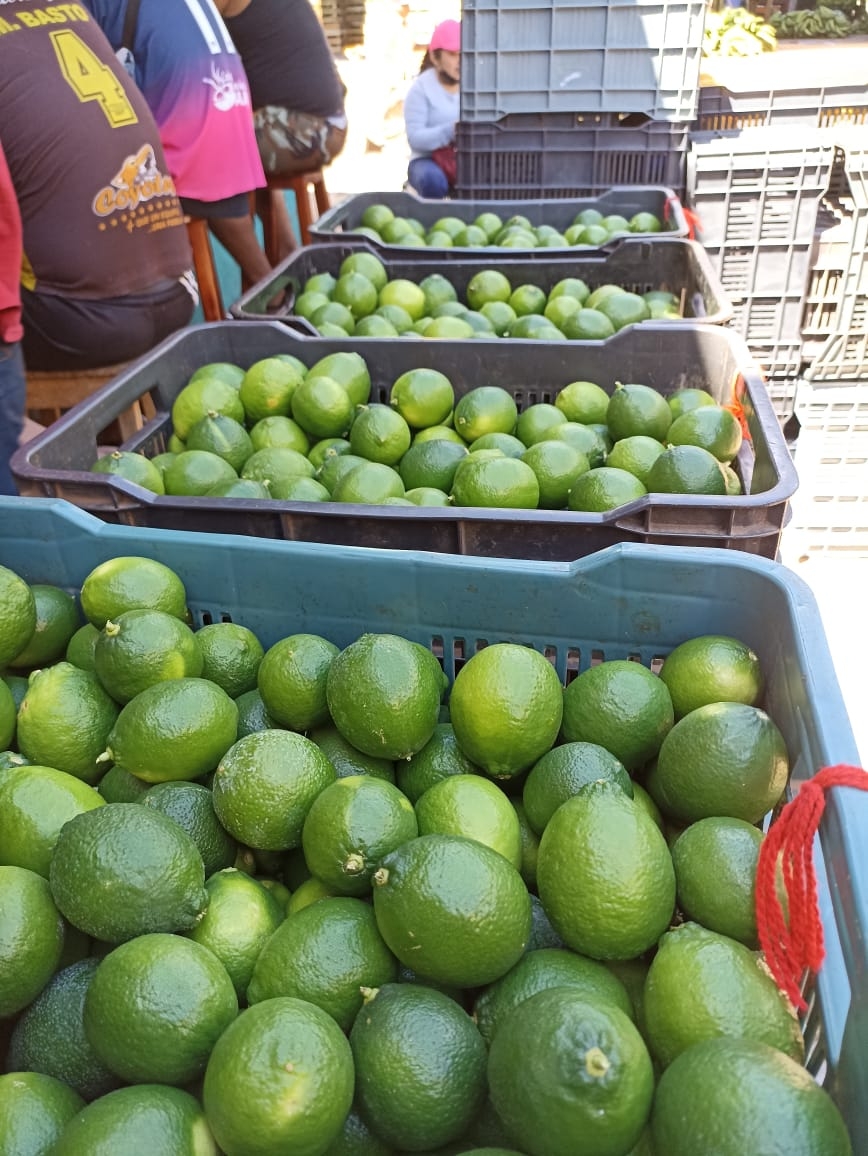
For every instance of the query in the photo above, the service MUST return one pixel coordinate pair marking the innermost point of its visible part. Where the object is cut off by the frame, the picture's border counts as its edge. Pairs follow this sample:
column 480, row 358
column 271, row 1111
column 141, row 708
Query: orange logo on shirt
column 138, row 180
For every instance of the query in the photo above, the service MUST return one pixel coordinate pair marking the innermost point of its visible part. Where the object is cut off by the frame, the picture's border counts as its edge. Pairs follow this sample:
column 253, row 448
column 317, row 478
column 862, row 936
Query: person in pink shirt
column 12, row 381
column 182, row 58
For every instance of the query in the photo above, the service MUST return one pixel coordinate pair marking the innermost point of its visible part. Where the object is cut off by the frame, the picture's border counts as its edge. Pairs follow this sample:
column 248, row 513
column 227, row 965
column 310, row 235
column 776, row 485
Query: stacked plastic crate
column 570, row 97
column 831, row 403
column 768, row 174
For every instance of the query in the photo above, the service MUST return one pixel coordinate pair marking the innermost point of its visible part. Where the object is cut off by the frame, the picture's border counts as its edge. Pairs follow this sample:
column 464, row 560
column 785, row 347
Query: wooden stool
column 206, row 272
column 49, row 395
column 311, row 199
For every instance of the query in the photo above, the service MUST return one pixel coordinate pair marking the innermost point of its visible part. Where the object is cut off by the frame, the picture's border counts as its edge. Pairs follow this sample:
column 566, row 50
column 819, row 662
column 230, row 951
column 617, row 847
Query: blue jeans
column 428, row 179
column 13, row 388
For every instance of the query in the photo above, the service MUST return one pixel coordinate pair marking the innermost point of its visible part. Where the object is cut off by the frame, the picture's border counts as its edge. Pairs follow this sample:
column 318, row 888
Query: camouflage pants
column 290, row 142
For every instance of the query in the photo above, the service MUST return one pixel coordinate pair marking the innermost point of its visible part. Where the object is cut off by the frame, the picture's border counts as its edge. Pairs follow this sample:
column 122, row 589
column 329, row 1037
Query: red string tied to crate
column 792, row 943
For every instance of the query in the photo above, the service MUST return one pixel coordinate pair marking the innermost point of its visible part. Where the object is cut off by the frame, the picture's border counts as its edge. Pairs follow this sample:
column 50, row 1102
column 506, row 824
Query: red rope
column 794, row 944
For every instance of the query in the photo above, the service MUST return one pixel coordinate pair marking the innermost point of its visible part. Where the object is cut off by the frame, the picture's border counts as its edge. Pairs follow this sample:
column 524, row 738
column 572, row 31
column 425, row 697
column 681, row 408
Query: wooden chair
column 206, row 272
column 311, row 198
column 50, row 394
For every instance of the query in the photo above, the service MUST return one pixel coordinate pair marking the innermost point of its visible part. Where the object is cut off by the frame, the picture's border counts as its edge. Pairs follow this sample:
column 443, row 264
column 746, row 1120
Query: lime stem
column 596, row 1063
column 354, row 864
column 380, row 876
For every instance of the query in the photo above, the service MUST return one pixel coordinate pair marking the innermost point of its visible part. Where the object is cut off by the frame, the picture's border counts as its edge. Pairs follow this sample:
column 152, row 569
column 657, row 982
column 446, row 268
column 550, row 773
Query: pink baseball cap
column 446, row 35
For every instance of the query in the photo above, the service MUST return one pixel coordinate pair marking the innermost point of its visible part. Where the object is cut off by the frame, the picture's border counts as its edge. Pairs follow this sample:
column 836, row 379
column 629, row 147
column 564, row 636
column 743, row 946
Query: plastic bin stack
column 777, row 176
column 567, row 98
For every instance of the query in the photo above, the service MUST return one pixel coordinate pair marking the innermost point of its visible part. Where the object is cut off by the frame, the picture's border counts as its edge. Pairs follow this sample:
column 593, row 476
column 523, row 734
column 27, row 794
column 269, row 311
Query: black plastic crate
column 340, row 222
column 560, row 155
column 667, row 356
column 821, row 106
column 581, row 56
column 672, row 263
column 758, row 186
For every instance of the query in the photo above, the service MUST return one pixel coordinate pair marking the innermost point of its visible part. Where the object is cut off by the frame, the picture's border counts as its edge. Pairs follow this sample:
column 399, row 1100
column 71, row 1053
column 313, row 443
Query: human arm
column 428, row 125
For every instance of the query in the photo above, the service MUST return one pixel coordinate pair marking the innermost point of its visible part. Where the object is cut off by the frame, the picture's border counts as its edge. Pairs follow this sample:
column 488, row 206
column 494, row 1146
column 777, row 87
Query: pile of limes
column 362, row 302
column 489, row 229
column 286, row 899
column 283, row 430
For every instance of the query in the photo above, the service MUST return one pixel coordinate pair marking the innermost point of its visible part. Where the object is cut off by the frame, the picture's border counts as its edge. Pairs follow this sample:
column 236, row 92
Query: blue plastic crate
column 627, row 601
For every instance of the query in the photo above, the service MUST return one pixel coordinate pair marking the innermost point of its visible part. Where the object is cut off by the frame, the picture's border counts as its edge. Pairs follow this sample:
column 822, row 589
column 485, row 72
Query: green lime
column 711, row 668
column 348, row 369
column 432, row 464
column 715, row 864
column 710, row 426
column 225, row 371
column 563, row 1066
column 141, row 648
column 346, row 760
column 292, row 681
column 63, row 720
column 725, row 758
column 333, row 320
column 541, row 970
column 131, row 583
column 380, row 434
column 143, row 1118
column 400, row 708
column 582, row 438
column 587, row 325
column 81, row 646
column 132, row 467
column 354, row 290
column 265, row 785
column 203, row 396
column 322, row 407
column 192, row 808
column 367, row 264
column 119, row 786
column 252, row 715
column 351, row 825
column 280, row 1078
column 125, row 870
column 506, row 708
column 485, row 286
column 562, row 772
column 471, row 806
column 638, row 409
column 279, row 433
column 221, row 435
column 334, row 468
column 557, row 467
column 731, row 994
column 194, row 473
column 621, row 706
column 406, row 294
column 276, row 465
column 452, row 909
column 635, row 454
column 50, row 1037
column 31, row 938
column 438, row 433
column 604, row 874
column 420, row 1066
column 499, row 482
column 604, row 488
column 369, row 483
column 423, row 397
column 326, row 954
column 231, row 655
column 240, row 917
column 176, row 729
column 169, row 994
column 437, row 760
column 685, row 400
column 34, row 1110
column 35, row 803
column 686, row 469
column 751, row 1097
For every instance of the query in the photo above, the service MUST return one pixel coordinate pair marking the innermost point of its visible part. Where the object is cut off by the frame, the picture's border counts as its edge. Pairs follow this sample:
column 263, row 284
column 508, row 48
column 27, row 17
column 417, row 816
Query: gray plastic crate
column 758, row 186
column 824, row 106
column 581, row 56
column 340, row 222
column 568, row 155
column 667, row 356
column 830, row 515
column 672, row 263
